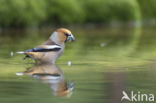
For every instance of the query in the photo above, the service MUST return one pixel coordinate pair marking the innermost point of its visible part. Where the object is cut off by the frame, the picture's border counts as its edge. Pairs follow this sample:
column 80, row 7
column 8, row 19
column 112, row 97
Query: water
column 103, row 63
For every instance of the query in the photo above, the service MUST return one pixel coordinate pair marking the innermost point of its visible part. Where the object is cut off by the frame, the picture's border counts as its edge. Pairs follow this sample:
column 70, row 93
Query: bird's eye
column 66, row 34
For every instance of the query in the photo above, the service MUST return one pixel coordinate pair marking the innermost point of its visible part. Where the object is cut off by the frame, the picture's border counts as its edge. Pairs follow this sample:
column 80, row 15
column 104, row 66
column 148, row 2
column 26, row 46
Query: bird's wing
column 42, row 48
column 45, row 48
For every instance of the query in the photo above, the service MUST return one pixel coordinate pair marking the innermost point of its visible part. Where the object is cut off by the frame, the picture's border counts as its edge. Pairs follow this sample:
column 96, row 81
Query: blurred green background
column 114, row 48
column 25, row 13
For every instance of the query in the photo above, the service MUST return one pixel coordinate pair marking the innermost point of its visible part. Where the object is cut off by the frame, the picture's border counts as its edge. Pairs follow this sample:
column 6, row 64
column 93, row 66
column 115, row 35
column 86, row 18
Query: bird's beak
column 70, row 38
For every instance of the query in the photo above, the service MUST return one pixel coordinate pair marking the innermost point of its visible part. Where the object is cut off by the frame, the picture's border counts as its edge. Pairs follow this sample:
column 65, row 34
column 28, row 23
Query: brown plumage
column 51, row 49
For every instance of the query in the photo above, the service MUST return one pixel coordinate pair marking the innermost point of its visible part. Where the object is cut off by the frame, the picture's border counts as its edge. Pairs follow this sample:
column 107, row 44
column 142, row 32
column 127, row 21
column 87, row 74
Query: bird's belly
column 48, row 57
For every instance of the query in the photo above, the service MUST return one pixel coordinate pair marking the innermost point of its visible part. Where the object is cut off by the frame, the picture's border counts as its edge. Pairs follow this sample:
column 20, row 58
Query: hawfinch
column 51, row 49
column 53, row 76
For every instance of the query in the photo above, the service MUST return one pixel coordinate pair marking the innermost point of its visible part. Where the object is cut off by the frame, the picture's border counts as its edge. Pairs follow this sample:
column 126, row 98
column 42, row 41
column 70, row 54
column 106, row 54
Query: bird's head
column 62, row 35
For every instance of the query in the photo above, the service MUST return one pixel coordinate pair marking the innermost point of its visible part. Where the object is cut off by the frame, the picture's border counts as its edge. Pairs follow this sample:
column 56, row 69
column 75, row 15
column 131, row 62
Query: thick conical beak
column 70, row 38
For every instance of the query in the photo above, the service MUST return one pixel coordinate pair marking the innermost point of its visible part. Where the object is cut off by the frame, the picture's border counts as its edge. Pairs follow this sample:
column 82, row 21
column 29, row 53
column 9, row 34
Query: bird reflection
column 53, row 76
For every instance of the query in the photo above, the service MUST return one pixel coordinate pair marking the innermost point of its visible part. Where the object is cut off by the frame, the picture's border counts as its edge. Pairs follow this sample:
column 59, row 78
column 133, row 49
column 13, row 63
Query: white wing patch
column 51, row 46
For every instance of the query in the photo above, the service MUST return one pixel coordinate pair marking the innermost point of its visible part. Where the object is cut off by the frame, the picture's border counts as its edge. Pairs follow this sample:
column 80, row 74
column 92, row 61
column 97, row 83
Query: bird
column 51, row 49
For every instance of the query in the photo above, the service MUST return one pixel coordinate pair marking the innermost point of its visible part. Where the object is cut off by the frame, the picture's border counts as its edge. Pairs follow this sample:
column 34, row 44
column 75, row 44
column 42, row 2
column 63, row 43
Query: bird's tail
column 20, row 52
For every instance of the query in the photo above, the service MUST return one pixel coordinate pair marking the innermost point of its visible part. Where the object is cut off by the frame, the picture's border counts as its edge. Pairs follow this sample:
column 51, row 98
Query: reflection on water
column 53, row 76
column 116, row 86
column 102, row 63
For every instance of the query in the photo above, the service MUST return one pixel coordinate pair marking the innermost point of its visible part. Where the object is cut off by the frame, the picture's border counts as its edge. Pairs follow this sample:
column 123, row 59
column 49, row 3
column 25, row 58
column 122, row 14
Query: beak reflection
column 53, row 76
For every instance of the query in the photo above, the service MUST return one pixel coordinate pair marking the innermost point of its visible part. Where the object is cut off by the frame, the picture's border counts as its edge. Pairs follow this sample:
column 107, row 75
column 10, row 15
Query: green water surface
column 104, row 62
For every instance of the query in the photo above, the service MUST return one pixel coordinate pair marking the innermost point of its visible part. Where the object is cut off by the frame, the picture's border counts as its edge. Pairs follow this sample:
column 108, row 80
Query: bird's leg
column 27, row 56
